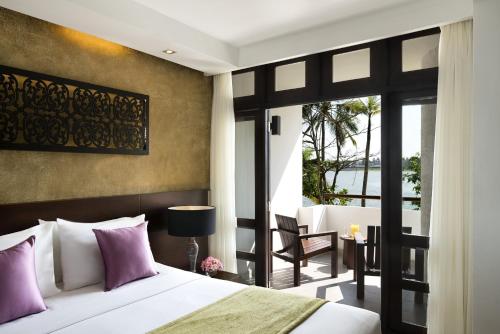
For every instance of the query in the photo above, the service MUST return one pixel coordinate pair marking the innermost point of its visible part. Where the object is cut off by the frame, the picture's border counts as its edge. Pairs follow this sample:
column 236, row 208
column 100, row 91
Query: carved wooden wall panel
column 46, row 113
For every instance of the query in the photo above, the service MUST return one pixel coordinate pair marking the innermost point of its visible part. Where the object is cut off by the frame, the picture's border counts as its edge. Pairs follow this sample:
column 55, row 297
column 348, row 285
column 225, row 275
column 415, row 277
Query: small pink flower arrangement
column 211, row 265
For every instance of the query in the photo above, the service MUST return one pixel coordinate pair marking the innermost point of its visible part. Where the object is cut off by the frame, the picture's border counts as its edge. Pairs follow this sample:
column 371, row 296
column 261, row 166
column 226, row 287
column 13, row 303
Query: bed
column 146, row 304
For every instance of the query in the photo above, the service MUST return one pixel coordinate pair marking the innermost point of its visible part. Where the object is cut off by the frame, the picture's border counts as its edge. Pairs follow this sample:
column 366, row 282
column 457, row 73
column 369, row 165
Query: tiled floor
column 316, row 282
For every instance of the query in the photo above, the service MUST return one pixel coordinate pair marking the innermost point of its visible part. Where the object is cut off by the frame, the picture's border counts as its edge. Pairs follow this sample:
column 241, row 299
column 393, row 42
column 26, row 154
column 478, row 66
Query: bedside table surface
column 227, row 276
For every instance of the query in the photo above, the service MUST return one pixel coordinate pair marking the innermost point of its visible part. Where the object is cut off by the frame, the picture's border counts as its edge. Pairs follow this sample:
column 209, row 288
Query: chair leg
column 360, row 271
column 360, row 286
column 305, row 263
column 296, row 273
column 333, row 260
column 334, row 255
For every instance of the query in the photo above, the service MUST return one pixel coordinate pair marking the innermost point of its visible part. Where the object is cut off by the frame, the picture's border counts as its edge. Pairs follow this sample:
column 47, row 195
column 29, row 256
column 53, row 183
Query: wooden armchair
column 300, row 247
column 370, row 266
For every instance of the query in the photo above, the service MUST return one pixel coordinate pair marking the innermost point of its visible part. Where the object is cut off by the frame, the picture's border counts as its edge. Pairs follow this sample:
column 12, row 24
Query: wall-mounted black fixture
column 276, row 125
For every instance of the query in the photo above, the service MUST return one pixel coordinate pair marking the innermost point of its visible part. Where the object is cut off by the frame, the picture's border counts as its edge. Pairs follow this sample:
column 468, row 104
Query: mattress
column 144, row 305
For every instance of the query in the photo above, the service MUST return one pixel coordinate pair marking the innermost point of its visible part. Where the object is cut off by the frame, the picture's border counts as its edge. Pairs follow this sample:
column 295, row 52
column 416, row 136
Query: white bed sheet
column 146, row 304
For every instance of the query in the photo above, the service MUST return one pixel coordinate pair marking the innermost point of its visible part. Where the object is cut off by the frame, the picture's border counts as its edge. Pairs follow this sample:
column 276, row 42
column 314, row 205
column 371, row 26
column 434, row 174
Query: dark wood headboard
column 166, row 249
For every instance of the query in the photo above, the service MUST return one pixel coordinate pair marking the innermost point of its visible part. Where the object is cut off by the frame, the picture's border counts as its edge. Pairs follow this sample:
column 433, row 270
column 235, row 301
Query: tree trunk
column 367, row 159
column 334, row 183
column 337, row 168
column 323, row 184
column 320, row 172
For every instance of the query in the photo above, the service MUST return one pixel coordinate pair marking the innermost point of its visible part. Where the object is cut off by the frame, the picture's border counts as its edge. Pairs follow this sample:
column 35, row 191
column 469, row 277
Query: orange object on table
column 354, row 229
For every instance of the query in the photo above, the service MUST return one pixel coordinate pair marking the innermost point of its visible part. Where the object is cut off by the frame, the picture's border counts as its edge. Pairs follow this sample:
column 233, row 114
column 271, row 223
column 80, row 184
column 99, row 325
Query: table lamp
column 191, row 222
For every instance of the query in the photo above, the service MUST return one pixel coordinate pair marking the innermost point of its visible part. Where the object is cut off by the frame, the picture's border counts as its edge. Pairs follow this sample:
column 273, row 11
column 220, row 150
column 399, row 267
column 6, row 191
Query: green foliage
column 343, row 123
column 310, row 176
column 411, row 174
column 310, row 182
column 342, row 200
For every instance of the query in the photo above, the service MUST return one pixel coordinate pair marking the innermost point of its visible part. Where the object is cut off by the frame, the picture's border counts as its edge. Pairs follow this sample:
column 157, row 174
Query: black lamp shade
column 191, row 221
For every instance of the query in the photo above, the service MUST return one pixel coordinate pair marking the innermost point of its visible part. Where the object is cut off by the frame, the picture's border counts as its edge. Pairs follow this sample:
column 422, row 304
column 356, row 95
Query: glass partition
column 245, row 195
column 420, row 53
column 418, row 130
column 244, row 84
column 290, row 76
column 351, row 65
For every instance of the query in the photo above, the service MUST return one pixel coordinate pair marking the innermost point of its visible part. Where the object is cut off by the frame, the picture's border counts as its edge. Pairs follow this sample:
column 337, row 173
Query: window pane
column 290, row 76
column 414, row 307
column 419, row 53
column 351, row 65
column 244, row 84
column 246, row 270
column 417, row 161
column 413, row 263
column 352, row 153
column 245, row 193
column 245, row 169
column 245, row 240
column 418, row 152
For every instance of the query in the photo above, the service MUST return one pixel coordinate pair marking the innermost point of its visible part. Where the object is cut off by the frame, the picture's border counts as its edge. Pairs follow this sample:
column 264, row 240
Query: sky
column 411, row 130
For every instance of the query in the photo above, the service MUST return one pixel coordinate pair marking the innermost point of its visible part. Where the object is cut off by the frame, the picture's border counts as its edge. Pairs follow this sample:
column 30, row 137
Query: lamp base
column 192, row 253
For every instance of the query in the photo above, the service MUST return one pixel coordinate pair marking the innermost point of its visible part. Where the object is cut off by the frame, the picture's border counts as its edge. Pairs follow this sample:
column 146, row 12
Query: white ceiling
column 216, row 36
column 241, row 22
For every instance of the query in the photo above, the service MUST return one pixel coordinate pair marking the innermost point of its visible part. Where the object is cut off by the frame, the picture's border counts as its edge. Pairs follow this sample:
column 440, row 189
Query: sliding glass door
column 406, row 207
column 251, row 179
column 403, row 70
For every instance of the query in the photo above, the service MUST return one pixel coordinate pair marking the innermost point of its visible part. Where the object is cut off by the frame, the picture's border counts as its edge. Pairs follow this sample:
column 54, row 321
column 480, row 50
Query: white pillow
column 56, row 250
column 81, row 260
column 44, row 258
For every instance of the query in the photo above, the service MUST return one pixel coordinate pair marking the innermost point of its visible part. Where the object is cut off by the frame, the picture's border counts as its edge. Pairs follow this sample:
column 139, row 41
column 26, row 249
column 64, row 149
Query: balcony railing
column 375, row 197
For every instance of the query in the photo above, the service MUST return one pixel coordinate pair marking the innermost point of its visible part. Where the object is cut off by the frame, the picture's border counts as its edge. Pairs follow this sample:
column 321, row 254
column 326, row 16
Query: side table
column 348, row 253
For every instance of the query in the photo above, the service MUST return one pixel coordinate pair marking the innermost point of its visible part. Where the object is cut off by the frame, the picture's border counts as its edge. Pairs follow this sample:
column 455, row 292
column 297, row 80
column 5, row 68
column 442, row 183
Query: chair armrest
column 319, row 234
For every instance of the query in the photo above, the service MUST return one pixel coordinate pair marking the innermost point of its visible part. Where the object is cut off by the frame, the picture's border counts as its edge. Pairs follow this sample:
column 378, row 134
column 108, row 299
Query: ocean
column 352, row 180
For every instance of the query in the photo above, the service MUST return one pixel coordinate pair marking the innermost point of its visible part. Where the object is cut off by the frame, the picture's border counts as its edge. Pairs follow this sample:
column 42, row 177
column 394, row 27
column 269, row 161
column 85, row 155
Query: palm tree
column 339, row 120
column 313, row 116
column 343, row 123
column 369, row 107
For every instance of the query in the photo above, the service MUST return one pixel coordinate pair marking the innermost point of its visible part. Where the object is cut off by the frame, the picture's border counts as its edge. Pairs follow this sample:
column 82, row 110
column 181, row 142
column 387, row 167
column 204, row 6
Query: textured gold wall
column 180, row 103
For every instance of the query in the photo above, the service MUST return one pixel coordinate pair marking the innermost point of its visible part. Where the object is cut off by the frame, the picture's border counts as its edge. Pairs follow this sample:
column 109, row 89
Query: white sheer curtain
column 449, row 299
column 222, row 181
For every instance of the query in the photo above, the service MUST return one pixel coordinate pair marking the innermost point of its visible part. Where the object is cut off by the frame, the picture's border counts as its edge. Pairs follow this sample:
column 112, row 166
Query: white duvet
column 144, row 305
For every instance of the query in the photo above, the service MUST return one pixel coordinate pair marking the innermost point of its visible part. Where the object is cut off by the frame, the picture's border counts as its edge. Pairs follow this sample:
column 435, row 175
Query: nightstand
column 227, row 276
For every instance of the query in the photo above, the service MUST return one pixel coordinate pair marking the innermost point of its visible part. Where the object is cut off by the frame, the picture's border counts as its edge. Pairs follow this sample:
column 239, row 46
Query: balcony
column 315, row 278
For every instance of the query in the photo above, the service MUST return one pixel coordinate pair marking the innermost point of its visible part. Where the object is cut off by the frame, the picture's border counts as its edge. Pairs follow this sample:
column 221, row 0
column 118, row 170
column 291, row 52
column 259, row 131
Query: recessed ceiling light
column 168, row 52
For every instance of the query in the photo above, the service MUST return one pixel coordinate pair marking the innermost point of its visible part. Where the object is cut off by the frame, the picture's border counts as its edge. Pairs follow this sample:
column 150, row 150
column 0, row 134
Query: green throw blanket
column 251, row 310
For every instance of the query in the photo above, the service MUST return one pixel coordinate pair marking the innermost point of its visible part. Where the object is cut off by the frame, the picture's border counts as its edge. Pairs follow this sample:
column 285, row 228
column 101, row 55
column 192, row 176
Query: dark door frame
column 386, row 80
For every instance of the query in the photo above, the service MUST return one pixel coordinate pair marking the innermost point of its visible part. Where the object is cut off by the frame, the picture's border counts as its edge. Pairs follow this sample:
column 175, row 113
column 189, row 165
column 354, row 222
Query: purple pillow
column 19, row 291
column 126, row 255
